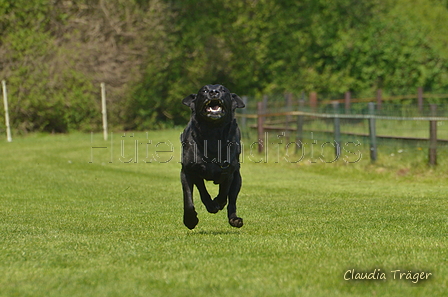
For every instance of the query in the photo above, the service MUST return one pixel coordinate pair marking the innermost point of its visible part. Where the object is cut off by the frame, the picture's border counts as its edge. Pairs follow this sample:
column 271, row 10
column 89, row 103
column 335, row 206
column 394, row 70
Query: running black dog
column 211, row 149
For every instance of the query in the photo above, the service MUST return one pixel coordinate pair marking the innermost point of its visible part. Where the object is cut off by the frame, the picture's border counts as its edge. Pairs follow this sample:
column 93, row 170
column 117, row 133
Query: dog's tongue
column 214, row 108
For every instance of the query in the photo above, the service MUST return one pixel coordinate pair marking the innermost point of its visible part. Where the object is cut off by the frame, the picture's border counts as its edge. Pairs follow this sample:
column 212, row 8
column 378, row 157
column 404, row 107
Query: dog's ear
column 189, row 100
column 237, row 102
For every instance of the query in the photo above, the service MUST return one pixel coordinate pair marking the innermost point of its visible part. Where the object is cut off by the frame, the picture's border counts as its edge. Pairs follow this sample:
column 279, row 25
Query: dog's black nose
column 214, row 93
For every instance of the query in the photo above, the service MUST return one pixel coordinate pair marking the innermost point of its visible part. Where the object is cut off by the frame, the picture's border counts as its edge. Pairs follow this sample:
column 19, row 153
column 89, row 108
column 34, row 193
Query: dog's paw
column 236, row 222
column 191, row 219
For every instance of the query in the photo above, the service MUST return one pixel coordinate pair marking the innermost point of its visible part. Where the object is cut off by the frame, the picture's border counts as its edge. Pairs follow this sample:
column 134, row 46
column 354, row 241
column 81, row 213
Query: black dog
column 211, row 149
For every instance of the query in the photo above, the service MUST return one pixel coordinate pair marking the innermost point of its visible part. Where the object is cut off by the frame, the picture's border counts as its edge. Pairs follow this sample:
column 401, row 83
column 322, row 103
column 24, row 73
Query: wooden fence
column 313, row 103
column 379, row 99
column 372, row 116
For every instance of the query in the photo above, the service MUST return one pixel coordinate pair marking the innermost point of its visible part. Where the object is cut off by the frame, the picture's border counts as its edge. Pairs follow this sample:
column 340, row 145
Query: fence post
column 5, row 102
column 299, row 135
column 420, row 99
column 372, row 132
column 337, row 129
column 433, row 137
column 260, row 120
column 243, row 118
column 265, row 103
column 103, row 109
column 347, row 99
column 288, row 105
column 379, row 99
column 313, row 100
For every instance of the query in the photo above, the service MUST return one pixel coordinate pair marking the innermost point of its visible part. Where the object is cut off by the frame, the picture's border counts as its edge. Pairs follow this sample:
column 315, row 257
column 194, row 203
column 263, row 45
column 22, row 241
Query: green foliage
column 152, row 53
column 325, row 46
column 45, row 93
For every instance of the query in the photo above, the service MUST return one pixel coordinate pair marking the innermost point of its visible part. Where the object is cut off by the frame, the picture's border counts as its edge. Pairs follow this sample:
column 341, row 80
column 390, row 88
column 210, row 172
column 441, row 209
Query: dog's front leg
column 190, row 214
column 234, row 220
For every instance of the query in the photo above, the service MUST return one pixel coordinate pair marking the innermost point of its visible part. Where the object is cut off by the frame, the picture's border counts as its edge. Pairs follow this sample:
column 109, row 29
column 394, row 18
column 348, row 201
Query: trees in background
column 152, row 53
column 55, row 54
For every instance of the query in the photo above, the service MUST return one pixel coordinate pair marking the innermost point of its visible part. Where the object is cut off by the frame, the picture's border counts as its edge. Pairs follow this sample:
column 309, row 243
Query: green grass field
column 77, row 221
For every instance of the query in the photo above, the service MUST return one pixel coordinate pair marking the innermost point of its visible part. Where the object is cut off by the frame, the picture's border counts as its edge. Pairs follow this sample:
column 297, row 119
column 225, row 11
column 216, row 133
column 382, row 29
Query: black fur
column 211, row 149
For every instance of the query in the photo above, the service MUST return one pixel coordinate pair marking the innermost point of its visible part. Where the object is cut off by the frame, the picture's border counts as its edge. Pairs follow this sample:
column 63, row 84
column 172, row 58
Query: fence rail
column 313, row 100
column 341, row 116
column 388, row 98
column 263, row 115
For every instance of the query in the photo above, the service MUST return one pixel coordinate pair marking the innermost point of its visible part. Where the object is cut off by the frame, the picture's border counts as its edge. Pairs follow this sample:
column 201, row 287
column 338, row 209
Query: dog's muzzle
column 214, row 108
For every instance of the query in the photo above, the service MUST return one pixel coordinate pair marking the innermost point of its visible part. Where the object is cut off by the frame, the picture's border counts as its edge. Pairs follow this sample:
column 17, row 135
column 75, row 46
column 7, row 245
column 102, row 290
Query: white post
column 5, row 101
column 104, row 112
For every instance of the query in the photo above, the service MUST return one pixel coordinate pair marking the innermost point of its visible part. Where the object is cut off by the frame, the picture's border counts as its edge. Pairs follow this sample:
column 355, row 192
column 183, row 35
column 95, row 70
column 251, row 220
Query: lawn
column 83, row 217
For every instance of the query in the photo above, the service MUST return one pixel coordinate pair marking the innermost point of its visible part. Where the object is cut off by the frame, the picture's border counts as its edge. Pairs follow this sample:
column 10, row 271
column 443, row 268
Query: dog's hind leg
column 190, row 214
column 224, row 187
column 212, row 206
column 234, row 220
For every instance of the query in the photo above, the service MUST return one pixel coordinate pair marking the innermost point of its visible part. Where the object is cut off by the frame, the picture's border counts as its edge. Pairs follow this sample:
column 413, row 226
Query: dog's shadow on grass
column 212, row 232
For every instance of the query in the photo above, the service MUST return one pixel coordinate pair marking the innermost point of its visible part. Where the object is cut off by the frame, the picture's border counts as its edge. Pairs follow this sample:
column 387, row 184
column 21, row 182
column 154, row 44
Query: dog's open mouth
column 214, row 109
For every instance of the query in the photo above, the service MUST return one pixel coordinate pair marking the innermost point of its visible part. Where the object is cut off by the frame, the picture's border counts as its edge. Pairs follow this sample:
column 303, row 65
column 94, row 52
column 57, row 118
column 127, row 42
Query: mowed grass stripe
column 73, row 228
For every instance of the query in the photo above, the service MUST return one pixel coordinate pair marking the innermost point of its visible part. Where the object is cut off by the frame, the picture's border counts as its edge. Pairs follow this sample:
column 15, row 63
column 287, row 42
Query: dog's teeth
column 214, row 109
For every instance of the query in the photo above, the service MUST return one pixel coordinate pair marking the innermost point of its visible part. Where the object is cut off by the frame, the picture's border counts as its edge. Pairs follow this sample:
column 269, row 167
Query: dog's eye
column 205, row 91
